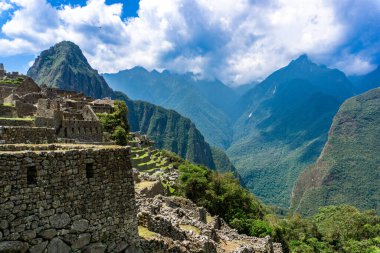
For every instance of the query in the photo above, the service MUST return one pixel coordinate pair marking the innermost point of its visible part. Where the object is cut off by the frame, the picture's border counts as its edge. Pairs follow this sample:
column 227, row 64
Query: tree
column 116, row 123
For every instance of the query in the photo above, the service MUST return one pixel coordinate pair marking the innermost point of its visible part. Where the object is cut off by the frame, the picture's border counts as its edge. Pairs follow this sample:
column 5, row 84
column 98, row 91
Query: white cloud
column 4, row 6
column 236, row 41
column 355, row 65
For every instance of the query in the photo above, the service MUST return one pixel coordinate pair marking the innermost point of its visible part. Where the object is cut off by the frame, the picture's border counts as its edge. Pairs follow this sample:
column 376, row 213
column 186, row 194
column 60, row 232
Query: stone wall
column 102, row 108
column 89, row 114
column 32, row 98
column 46, row 108
column 66, row 199
column 26, row 87
column 81, row 130
column 44, row 122
column 16, row 122
column 26, row 134
column 6, row 90
column 25, row 109
column 8, row 111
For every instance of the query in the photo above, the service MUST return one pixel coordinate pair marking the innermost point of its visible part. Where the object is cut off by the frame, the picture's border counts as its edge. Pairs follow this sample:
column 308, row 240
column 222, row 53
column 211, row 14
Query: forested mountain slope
column 348, row 169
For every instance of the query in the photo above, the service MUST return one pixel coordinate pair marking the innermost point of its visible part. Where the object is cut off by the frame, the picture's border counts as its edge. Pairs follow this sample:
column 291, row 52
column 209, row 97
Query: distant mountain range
column 272, row 131
column 348, row 169
column 283, row 126
column 64, row 66
column 208, row 104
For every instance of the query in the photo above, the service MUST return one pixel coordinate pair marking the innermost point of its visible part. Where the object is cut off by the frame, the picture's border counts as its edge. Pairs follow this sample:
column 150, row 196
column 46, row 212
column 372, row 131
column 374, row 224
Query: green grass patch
column 22, row 119
column 146, row 233
column 190, row 228
column 209, row 218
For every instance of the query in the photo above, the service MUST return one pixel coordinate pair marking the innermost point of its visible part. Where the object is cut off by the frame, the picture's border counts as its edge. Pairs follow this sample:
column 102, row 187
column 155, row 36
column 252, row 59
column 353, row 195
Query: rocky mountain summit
column 64, row 66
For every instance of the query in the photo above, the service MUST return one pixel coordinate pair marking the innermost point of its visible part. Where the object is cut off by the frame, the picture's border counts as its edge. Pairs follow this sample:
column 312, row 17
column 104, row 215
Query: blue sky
column 236, row 41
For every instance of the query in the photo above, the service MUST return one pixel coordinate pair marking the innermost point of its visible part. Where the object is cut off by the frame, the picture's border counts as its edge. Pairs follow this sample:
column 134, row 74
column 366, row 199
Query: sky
column 236, row 41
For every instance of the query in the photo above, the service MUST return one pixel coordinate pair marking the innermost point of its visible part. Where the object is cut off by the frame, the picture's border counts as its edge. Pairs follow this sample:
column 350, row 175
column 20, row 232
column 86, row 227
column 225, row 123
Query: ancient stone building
column 71, row 115
column 66, row 198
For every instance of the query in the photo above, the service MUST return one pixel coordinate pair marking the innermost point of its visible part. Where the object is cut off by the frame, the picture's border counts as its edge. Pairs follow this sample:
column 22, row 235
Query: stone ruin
column 8, row 75
column 53, row 115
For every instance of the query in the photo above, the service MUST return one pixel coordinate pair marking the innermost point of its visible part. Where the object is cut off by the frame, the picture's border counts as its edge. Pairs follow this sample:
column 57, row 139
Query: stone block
column 95, row 248
column 60, row 220
column 39, row 248
column 80, row 225
column 48, row 233
column 83, row 240
column 13, row 247
column 58, row 246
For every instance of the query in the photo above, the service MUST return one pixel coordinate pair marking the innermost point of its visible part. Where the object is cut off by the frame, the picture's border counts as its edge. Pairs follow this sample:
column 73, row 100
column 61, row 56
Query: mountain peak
column 302, row 59
column 66, row 43
column 76, row 73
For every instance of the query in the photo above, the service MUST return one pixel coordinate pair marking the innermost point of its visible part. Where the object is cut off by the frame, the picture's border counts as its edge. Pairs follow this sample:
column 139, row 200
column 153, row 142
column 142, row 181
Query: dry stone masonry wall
column 66, row 198
column 21, row 134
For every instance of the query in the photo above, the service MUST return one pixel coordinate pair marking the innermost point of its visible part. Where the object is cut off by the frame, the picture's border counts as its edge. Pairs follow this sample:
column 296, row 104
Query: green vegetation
column 116, row 123
column 22, row 119
column 347, row 171
column 15, row 81
column 332, row 229
column 221, row 194
column 146, row 233
column 8, row 104
column 169, row 130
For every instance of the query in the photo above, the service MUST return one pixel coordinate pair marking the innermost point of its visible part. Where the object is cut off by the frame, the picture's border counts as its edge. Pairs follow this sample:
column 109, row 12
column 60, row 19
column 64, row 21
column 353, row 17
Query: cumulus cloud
column 235, row 41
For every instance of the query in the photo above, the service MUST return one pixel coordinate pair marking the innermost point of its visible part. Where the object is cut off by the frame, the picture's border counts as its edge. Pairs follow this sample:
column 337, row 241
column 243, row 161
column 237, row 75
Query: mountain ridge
column 186, row 94
column 283, row 126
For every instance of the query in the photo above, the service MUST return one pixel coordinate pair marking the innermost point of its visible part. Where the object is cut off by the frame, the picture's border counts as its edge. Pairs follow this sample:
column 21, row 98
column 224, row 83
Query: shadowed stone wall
column 21, row 134
column 66, row 198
